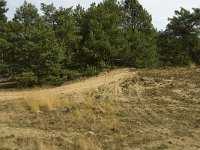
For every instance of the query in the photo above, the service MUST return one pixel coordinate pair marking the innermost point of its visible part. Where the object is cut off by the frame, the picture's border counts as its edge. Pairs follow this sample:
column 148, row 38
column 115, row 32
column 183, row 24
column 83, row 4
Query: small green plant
column 70, row 75
column 53, row 80
column 104, row 65
column 91, row 71
column 4, row 69
column 27, row 79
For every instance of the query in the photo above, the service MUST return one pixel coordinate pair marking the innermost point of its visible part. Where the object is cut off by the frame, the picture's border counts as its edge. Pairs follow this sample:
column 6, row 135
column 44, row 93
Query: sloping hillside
column 121, row 109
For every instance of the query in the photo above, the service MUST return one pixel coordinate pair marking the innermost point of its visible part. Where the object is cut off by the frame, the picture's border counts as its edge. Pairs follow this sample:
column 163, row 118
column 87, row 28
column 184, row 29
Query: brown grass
column 125, row 109
column 37, row 100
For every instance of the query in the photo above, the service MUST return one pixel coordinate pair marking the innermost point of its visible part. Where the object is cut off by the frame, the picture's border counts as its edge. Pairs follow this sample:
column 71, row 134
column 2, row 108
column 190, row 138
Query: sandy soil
column 122, row 109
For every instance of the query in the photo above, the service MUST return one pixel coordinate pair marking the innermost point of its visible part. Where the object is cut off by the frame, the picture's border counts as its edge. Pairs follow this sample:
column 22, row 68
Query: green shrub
column 4, row 69
column 70, row 75
column 104, row 65
column 91, row 71
column 53, row 80
column 27, row 79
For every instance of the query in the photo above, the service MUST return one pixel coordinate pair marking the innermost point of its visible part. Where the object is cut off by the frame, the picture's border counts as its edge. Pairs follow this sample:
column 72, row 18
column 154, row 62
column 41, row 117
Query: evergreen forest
column 62, row 44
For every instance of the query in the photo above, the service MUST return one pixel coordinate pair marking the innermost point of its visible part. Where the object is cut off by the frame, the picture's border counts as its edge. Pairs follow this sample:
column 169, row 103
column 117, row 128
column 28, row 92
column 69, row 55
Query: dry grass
column 37, row 100
column 150, row 109
column 5, row 117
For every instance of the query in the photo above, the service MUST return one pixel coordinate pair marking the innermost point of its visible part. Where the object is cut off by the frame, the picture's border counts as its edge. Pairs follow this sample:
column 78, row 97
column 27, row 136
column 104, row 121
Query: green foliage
column 136, row 17
column 70, row 75
column 35, row 45
column 179, row 44
column 78, row 14
column 3, row 10
column 49, row 13
column 4, row 48
column 104, row 65
column 171, row 52
column 64, row 44
column 27, row 14
column 103, row 38
column 141, row 49
column 53, row 80
column 141, row 53
column 27, row 79
column 4, row 69
column 91, row 71
column 66, row 33
column 4, row 44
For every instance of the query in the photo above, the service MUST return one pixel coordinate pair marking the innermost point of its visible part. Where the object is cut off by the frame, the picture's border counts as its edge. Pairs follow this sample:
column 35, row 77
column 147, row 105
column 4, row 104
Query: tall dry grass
column 37, row 100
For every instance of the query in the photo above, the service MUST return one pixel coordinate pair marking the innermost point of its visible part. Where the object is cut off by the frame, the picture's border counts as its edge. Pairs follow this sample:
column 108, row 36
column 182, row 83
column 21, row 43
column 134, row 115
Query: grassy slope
column 123, row 109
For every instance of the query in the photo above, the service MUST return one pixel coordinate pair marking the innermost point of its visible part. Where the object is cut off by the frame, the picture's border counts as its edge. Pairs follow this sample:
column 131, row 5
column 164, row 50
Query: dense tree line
column 179, row 44
column 65, row 43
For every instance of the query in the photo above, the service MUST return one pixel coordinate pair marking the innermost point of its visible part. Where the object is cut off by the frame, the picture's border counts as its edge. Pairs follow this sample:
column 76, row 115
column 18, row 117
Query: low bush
column 70, row 75
column 4, row 69
column 27, row 79
column 91, row 71
column 104, row 65
column 53, row 80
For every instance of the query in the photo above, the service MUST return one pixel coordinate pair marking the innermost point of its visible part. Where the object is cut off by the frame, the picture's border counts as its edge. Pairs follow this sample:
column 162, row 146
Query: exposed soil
column 125, row 109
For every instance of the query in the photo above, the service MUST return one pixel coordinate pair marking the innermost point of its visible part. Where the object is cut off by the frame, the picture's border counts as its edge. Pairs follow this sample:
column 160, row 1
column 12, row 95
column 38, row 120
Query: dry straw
column 38, row 100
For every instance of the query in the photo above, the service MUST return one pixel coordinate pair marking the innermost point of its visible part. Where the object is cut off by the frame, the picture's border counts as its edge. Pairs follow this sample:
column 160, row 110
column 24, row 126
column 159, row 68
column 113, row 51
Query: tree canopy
column 179, row 43
column 60, row 44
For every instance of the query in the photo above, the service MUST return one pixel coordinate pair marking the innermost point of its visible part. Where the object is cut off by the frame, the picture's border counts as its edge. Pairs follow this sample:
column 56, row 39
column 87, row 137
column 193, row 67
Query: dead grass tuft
column 36, row 101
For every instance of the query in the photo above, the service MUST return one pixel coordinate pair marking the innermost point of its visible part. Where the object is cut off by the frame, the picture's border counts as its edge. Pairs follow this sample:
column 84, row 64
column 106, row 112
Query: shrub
column 53, row 80
column 4, row 69
column 104, row 65
column 27, row 79
column 71, row 74
column 91, row 71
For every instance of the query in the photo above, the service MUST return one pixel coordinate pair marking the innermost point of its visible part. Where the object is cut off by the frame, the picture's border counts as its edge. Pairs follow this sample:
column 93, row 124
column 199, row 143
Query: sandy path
column 78, row 87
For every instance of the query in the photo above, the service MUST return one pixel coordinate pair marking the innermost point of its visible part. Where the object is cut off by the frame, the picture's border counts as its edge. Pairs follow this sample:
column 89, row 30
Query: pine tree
column 27, row 14
column 180, row 44
column 78, row 14
column 48, row 13
column 67, row 34
column 141, row 48
column 102, row 36
column 4, row 44
column 35, row 46
column 3, row 10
